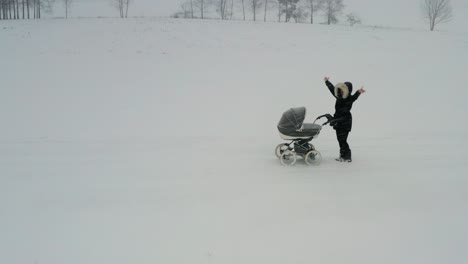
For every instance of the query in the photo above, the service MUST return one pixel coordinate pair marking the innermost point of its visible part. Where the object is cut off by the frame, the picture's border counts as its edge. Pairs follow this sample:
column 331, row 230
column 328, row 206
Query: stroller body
column 292, row 127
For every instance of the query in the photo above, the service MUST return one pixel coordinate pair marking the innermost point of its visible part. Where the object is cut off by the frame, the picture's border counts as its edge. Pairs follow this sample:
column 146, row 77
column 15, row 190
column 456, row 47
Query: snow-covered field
column 151, row 141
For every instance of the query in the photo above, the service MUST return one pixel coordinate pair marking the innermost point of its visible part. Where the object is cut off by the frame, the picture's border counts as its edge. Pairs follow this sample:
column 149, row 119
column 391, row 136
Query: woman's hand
column 362, row 90
column 326, row 78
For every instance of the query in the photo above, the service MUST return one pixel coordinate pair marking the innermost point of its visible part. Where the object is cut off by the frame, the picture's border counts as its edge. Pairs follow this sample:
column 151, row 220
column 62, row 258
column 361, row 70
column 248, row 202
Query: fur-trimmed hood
column 345, row 91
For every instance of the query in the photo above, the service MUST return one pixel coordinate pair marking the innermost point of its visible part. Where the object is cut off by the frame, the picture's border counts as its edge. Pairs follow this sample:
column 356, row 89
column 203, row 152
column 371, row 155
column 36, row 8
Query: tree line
column 286, row 10
column 300, row 11
column 32, row 9
column 23, row 9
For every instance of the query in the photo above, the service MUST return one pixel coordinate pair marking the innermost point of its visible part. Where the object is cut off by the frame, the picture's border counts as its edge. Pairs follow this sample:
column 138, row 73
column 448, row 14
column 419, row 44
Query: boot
column 340, row 159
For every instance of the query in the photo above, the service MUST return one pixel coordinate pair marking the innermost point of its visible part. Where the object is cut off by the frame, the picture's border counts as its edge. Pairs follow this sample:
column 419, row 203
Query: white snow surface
column 152, row 141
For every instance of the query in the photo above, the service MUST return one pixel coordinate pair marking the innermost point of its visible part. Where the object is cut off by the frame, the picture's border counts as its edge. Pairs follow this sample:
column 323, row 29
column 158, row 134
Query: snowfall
column 151, row 140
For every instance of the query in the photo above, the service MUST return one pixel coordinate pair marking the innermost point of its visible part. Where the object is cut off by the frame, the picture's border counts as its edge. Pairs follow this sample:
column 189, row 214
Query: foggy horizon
column 397, row 13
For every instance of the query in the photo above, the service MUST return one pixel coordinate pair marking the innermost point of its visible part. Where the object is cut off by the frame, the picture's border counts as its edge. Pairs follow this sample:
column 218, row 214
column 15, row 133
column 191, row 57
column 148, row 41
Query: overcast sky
column 398, row 13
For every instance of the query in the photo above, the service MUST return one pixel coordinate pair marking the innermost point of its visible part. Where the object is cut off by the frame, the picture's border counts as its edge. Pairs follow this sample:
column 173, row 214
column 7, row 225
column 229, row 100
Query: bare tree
column 243, row 9
column 299, row 14
column 221, row 8
column 13, row 7
column 46, row 6
column 353, row 19
column 40, row 6
column 67, row 4
column 437, row 11
column 9, row 6
column 122, row 6
column 36, row 8
column 255, row 5
column 265, row 4
column 6, row 9
column 191, row 8
column 288, row 8
column 119, row 5
column 231, row 12
column 185, row 11
column 314, row 6
column 225, row 8
column 200, row 4
column 2, row 9
column 202, row 9
column 280, row 11
column 332, row 8
column 127, row 3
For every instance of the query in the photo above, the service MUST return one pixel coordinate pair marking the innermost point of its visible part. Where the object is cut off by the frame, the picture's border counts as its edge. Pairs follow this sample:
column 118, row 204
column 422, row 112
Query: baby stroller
column 291, row 127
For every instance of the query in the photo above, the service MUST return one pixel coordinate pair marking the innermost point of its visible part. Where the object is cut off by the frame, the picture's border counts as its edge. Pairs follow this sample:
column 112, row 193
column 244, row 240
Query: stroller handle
column 328, row 116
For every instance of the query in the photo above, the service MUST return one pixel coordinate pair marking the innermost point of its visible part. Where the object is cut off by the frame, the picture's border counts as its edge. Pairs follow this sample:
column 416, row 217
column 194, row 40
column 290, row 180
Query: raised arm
column 356, row 95
column 330, row 86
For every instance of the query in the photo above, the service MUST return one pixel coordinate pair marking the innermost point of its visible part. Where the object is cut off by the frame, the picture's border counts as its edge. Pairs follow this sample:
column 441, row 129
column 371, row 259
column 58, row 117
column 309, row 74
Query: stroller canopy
column 292, row 119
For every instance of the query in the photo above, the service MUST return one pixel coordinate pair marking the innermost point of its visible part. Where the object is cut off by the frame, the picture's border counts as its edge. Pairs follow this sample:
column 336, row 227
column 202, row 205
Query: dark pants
column 342, row 136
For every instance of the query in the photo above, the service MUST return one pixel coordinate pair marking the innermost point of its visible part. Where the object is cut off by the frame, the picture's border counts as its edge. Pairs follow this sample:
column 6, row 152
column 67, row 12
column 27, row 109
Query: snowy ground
column 151, row 141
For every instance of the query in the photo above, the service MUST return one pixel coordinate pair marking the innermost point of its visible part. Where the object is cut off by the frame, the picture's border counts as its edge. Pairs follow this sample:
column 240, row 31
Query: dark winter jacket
column 343, row 105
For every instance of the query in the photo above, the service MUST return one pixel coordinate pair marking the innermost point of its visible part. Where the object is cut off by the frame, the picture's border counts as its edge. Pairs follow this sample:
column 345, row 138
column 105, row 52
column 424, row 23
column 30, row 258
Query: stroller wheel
column 288, row 158
column 313, row 157
column 280, row 149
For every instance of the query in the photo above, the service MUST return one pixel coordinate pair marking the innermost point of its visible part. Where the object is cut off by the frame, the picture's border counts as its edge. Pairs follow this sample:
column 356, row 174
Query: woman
column 343, row 119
